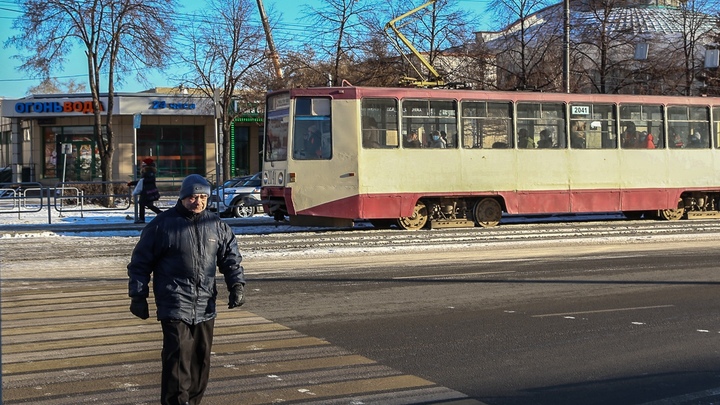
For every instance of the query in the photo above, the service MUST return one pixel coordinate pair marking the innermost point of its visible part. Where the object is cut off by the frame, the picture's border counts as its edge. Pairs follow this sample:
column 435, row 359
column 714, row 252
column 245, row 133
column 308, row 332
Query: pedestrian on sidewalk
column 147, row 190
column 181, row 249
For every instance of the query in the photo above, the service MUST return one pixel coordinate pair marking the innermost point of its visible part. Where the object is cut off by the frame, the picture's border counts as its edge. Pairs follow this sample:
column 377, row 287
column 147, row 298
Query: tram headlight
column 280, row 178
column 265, row 178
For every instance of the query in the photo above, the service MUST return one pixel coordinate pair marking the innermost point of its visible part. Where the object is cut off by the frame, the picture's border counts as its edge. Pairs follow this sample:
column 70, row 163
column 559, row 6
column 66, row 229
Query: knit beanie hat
column 194, row 184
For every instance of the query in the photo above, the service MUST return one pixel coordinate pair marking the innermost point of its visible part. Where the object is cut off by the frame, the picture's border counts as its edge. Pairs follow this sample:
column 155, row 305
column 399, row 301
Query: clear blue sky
column 14, row 84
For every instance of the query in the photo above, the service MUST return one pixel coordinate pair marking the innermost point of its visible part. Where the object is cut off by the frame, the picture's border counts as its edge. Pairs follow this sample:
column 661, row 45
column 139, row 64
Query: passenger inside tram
column 545, row 141
column 629, row 136
column 411, row 140
column 370, row 132
column 525, row 141
column 695, row 141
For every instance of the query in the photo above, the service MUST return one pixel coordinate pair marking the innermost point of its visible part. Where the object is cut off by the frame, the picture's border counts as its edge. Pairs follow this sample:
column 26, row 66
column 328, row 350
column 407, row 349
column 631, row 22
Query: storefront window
column 70, row 153
column 240, row 151
column 177, row 150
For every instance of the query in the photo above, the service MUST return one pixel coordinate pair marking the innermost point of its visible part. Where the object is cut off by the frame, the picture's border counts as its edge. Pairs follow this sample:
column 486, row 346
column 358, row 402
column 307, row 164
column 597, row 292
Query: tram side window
column 486, row 124
column 312, row 138
column 689, row 127
column 642, row 127
column 592, row 126
column 716, row 125
column 541, row 121
column 379, row 123
column 434, row 122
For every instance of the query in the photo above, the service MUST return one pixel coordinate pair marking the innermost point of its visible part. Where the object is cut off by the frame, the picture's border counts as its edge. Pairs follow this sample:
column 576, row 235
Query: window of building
column 5, row 137
column 240, row 150
column 486, row 124
column 379, row 123
column 178, row 150
column 70, row 153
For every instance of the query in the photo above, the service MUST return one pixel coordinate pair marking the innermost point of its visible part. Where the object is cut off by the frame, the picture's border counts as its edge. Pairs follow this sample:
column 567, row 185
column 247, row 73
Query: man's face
column 195, row 203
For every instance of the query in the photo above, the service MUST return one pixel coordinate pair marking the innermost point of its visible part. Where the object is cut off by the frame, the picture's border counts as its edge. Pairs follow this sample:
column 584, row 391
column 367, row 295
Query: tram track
column 359, row 239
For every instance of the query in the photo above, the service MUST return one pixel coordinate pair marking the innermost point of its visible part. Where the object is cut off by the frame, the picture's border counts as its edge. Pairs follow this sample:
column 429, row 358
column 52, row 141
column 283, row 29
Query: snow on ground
column 100, row 223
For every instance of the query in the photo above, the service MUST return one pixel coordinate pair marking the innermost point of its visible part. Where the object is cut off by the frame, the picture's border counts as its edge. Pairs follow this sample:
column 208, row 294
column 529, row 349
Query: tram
column 427, row 158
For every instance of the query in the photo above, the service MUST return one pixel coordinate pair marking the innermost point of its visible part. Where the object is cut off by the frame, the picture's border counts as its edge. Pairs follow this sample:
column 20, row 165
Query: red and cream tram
column 430, row 158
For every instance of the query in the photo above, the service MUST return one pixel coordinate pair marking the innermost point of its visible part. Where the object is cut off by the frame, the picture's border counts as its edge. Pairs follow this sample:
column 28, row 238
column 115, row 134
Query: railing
column 16, row 198
column 74, row 198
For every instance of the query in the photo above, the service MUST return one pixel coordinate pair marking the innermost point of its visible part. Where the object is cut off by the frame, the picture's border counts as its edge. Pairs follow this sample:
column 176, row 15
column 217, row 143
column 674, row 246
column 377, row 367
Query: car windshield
column 251, row 183
column 235, row 182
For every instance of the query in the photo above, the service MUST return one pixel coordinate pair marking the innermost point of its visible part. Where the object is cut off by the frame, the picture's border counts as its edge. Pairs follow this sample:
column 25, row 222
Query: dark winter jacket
column 149, row 191
column 181, row 250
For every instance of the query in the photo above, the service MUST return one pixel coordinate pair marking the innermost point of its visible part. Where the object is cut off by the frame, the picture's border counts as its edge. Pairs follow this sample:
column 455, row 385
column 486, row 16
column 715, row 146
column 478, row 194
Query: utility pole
column 271, row 45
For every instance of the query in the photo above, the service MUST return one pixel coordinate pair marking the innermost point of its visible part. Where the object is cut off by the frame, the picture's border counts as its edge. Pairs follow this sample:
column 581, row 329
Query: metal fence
column 75, row 198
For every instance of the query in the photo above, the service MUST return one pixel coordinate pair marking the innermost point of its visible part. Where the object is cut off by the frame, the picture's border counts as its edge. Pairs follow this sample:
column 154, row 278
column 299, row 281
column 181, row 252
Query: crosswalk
column 79, row 345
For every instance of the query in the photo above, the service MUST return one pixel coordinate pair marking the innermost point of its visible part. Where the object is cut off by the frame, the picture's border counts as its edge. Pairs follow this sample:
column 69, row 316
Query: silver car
column 238, row 197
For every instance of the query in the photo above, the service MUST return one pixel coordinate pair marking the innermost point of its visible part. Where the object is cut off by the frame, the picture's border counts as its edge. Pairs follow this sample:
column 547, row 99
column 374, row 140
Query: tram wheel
column 487, row 212
column 674, row 215
column 418, row 219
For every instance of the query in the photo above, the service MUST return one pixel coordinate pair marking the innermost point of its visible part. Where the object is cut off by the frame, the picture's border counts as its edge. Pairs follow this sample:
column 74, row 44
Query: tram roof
column 356, row 92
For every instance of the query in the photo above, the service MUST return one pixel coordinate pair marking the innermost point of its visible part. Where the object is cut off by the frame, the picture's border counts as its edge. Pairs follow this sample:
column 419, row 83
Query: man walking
column 182, row 248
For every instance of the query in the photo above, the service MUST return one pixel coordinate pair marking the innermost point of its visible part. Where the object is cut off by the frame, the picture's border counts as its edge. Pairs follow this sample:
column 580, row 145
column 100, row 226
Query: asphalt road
column 602, row 324
column 564, row 321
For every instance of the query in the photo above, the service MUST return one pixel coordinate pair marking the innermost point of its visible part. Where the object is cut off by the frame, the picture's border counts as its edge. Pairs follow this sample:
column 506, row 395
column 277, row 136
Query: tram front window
column 276, row 128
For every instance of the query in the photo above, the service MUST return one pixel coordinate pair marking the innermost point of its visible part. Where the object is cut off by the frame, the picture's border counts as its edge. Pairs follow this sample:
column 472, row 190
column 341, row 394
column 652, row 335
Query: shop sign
column 162, row 104
column 55, row 107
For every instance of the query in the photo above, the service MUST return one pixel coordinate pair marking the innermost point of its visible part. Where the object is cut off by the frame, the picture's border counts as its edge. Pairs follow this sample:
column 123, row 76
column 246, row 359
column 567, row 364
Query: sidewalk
column 12, row 224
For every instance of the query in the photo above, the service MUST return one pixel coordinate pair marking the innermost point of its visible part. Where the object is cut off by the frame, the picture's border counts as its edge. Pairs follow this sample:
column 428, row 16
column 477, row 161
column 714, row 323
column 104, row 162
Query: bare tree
column 437, row 30
column 119, row 37
column 338, row 31
column 51, row 85
column 528, row 51
column 226, row 53
column 379, row 64
column 604, row 46
column 698, row 22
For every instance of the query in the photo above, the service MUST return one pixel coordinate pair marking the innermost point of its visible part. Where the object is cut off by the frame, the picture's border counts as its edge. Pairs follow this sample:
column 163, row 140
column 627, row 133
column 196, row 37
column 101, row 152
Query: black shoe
column 139, row 222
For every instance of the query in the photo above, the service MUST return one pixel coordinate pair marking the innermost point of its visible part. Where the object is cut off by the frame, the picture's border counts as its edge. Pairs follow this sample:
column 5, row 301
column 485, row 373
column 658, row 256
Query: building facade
column 51, row 138
column 628, row 47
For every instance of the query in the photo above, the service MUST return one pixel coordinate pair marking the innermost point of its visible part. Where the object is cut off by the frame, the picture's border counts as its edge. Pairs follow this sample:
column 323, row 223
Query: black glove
column 139, row 307
column 237, row 296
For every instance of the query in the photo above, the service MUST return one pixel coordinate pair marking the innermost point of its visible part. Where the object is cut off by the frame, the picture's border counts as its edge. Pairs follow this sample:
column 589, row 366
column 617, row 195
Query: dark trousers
column 185, row 361
column 148, row 204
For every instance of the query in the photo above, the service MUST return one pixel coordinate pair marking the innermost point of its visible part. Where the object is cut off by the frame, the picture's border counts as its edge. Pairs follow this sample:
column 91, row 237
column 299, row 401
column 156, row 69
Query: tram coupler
column 451, row 223
column 703, row 214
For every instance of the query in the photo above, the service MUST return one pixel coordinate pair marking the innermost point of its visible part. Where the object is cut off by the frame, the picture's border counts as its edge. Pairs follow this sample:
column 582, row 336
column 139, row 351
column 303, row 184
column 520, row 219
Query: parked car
column 238, row 196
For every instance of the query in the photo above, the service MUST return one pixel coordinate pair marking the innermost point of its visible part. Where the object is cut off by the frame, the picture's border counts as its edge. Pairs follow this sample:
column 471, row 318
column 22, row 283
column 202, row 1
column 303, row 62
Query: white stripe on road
column 602, row 310
column 455, row 275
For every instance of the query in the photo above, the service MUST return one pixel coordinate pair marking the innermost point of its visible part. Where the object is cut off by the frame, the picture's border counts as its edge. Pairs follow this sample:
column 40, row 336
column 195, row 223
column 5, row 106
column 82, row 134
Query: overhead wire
column 287, row 35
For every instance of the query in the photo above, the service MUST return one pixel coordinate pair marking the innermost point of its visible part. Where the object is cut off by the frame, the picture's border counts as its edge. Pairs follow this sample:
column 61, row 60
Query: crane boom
column 392, row 25
column 271, row 44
